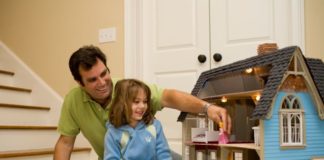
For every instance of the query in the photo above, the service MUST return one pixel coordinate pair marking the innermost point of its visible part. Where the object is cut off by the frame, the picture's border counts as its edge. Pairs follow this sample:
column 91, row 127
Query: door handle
column 202, row 58
column 217, row 57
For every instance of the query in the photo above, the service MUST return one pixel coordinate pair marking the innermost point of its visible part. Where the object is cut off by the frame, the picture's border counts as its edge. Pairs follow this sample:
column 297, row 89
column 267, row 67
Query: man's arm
column 187, row 103
column 64, row 147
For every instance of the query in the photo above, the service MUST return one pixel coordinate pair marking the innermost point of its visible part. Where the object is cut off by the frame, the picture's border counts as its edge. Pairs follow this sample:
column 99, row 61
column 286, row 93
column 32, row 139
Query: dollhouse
column 276, row 104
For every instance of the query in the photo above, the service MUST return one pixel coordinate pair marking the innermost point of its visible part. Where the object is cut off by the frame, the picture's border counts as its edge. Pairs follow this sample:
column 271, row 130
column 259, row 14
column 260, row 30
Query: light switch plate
column 107, row 35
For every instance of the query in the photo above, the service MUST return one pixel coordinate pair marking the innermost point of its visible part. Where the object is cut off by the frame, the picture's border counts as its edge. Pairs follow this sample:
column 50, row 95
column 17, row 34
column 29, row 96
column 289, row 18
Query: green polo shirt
column 80, row 113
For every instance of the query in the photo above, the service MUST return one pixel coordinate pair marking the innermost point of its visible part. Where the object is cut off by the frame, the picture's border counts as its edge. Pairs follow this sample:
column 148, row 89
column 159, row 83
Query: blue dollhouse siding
column 314, row 128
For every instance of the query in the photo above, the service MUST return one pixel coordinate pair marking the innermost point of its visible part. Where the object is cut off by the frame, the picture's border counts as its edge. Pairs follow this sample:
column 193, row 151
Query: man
column 85, row 108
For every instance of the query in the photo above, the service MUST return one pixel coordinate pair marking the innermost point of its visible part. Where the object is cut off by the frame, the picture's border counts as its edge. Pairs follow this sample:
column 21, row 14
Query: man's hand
column 219, row 114
column 187, row 103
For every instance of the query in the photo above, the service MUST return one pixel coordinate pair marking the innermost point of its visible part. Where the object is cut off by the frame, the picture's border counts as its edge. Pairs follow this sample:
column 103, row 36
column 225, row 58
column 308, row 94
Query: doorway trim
column 133, row 56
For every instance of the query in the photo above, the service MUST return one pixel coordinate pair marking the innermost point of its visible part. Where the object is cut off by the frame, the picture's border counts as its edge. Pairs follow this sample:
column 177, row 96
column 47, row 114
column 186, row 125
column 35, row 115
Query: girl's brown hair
column 126, row 91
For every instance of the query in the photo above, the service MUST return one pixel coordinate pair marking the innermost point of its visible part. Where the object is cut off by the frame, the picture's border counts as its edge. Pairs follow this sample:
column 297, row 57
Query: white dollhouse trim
column 292, row 132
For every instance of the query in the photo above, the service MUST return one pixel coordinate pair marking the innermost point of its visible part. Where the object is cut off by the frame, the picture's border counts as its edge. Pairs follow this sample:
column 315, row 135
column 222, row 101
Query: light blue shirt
column 142, row 145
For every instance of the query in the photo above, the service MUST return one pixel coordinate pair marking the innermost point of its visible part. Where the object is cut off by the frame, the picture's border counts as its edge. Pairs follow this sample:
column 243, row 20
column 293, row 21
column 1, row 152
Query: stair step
column 27, row 127
column 24, row 106
column 23, row 137
column 23, row 115
column 6, row 77
column 10, row 94
column 15, row 88
column 35, row 152
column 7, row 72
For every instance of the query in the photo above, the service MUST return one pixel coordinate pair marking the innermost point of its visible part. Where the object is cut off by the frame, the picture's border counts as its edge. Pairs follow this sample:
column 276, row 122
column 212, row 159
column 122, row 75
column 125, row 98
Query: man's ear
column 80, row 83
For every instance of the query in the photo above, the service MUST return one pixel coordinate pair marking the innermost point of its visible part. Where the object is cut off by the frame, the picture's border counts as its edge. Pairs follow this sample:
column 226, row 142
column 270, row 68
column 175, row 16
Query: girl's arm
column 162, row 147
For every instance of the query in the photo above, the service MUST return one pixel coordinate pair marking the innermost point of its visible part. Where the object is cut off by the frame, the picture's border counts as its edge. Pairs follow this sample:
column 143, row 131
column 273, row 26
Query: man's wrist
column 205, row 108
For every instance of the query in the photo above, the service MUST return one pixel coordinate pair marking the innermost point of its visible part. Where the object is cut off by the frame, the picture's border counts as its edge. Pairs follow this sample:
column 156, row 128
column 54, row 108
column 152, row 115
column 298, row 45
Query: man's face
column 97, row 82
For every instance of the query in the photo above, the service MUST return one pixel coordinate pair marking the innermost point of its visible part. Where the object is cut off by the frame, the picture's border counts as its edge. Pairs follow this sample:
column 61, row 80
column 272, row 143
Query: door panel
column 176, row 36
column 238, row 27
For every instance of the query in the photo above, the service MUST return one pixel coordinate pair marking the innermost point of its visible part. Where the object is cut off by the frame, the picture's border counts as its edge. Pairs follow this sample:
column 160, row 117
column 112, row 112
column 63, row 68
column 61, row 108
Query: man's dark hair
column 85, row 57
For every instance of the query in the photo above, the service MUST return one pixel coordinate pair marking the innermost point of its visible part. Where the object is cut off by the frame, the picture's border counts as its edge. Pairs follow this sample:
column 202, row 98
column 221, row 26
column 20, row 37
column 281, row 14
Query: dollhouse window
column 238, row 155
column 291, row 120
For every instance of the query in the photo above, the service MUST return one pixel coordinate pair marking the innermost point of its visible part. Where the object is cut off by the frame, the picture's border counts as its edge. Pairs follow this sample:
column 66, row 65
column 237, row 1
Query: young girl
column 132, row 131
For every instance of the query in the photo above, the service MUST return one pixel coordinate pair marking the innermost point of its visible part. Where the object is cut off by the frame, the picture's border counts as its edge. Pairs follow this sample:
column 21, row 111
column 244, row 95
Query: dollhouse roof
column 279, row 60
column 316, row 67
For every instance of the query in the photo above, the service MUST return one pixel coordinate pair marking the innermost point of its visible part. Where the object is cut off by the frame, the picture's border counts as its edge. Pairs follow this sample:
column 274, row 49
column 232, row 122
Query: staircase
column 29, row 112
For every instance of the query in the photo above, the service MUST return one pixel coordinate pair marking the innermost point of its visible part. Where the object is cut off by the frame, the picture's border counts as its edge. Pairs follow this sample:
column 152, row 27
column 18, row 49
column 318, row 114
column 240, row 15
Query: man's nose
column 101, row 81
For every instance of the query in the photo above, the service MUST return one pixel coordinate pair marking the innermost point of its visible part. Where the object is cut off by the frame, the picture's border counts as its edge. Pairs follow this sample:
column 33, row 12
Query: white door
column 238, row 27
column 177, row 32
column 171, row 34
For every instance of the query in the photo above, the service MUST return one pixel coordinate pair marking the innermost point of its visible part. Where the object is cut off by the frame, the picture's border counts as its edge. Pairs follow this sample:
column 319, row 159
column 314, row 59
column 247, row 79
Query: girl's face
column 139, row 107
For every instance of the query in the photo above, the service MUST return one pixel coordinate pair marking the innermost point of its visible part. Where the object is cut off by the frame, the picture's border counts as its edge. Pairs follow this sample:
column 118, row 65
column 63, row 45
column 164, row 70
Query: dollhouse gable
column 296, row 78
